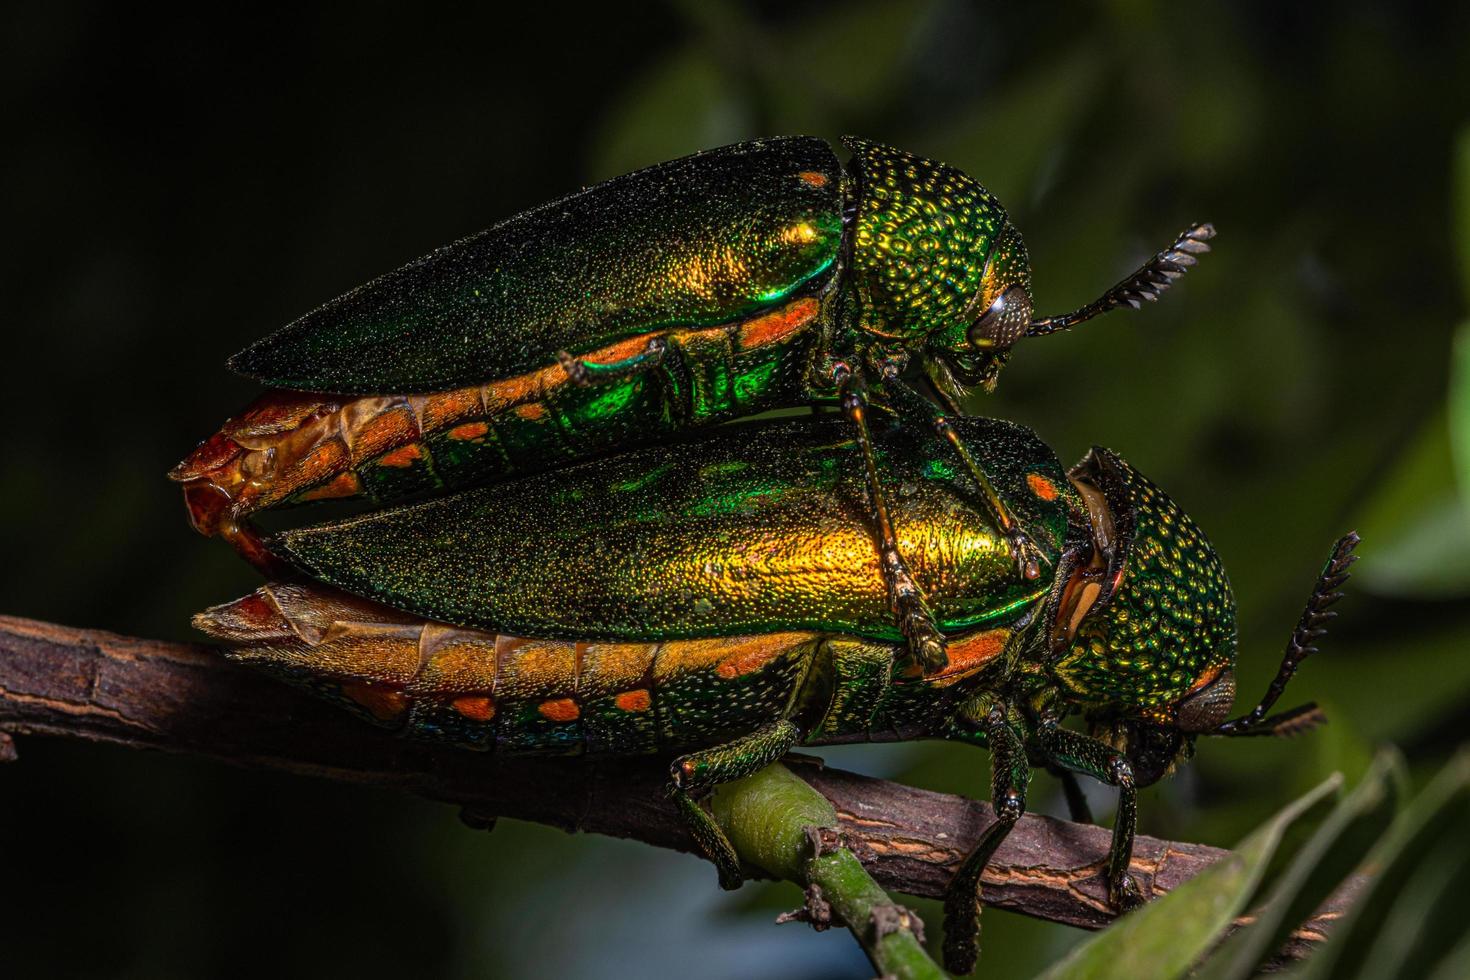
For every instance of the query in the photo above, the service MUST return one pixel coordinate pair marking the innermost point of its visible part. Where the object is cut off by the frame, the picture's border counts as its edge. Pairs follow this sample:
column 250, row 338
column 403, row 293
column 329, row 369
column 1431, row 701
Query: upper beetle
column 756, row 276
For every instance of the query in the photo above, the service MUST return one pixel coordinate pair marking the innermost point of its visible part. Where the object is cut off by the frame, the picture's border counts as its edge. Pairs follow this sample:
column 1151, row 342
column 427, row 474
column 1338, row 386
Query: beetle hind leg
column 1010, row 773
column 698, row 773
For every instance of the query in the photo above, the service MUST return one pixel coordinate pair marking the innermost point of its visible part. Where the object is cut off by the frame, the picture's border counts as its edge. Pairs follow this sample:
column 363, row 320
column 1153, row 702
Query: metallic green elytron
column 721, row 600
column 757, row 276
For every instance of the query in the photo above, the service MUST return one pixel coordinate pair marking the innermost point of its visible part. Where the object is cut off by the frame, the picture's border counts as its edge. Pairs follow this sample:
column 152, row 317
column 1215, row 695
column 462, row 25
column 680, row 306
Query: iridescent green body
column 754, row 270
column 699, row 241
column 752, row 529
column 758, row 530
column 721, row 600
column 493, row 692
column 901, row 244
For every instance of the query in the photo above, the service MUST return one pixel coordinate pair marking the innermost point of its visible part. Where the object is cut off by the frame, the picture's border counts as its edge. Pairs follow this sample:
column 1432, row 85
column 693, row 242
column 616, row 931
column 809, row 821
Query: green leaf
column 1458, row 405
column 1415, row 843
column 1164, row 938
column 1332, row 853
column 1415, row 525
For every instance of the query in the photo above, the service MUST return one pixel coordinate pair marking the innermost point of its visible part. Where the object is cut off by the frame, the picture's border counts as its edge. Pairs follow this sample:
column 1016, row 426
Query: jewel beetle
column 756, row 276
column 721, row 600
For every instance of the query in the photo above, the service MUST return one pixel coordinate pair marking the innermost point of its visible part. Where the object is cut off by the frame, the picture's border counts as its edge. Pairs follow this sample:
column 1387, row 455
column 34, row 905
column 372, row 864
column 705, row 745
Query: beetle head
column 972, row 352
column 1145, row 621
column 936, row 262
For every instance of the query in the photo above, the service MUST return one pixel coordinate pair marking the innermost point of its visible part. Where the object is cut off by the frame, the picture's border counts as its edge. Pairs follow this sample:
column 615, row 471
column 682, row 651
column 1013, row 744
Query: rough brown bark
column 98, row 686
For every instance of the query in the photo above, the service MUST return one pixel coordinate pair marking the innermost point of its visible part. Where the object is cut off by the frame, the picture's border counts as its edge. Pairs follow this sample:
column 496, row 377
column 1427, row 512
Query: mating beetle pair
column 756, row 587
column 757, row 276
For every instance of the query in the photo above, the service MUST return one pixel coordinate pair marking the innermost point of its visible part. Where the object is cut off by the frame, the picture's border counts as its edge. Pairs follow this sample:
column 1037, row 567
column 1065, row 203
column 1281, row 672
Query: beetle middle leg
column 696, row 774
column 1067, row 749
column 1010, row 771
column 915, row 621
column 1028, row 557
column 587, row 373
column 1078, row 808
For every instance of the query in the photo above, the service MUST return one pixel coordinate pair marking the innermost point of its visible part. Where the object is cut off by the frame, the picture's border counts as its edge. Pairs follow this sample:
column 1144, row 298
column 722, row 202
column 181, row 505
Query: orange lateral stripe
column 968, row 655
column 751, row 656
column 775, row 326
column 343, row 484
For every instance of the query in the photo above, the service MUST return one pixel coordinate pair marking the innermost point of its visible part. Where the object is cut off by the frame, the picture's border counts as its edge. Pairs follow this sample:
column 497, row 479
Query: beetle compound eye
column 1004, row 323
column 1204, row 710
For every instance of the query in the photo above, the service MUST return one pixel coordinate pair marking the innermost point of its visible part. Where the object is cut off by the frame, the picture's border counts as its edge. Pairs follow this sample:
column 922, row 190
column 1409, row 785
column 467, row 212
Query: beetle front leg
column 1010, row 771
column 696, row 774
column 1028, row 557
column 1080, row 753
column 915, row 621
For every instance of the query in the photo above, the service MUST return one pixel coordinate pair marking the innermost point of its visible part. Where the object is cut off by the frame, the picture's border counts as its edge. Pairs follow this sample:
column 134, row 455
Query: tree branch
column 98, row 686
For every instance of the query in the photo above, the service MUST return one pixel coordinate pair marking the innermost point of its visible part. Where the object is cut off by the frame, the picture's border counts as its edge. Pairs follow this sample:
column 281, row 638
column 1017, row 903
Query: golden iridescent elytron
column 747, row 278
column 722, row 600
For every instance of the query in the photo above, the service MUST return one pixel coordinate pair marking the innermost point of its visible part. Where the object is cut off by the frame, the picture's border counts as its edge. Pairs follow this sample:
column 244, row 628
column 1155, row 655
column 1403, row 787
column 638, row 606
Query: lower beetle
column 721, row 600
column 756, row 276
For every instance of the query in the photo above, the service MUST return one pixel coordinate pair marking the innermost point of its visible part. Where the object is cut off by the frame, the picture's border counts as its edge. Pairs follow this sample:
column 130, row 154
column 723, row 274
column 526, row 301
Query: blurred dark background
column 177, row 184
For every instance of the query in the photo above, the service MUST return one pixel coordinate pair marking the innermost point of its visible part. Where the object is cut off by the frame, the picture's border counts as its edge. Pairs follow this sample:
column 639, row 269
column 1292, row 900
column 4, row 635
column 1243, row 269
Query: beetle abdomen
column 494, row 692
column 290, row 447
column 692, row 242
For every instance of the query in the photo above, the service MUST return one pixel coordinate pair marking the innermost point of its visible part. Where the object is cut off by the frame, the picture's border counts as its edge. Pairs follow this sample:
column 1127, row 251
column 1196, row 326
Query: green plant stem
column 769, row 818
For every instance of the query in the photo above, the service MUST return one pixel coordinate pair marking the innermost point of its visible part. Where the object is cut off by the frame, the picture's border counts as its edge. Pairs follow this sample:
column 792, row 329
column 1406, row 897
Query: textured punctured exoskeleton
column 731, row 282
column 722, row 600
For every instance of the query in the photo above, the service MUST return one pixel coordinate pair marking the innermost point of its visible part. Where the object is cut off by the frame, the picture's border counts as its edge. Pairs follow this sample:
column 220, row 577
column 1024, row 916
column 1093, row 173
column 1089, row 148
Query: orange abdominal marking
column 468, row 431
column 1041, row 486
column 343, row 485
column 402, row 457
column 382, row 703
column 475, row 708
column 638, row 700
column 774, row 326
column 968, row 655
column 813, row 178
column 751, row 656
column 446, row 407
column 297, row 445
column 373, row 430
column 561, row 709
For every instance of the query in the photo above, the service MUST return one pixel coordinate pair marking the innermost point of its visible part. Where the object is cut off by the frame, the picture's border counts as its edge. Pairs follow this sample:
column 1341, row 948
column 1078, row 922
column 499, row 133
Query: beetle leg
column 1077, row 806
column 915, row 621
column 1028, row 557
column 1010, row 771
column 586, row 373
column 1080, row 753
column 696, row 774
